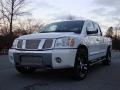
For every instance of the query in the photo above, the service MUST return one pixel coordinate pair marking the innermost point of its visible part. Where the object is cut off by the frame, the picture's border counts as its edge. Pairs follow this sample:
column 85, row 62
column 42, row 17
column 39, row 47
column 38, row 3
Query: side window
column 90, row 26
column 90, row 29
column 97, row 27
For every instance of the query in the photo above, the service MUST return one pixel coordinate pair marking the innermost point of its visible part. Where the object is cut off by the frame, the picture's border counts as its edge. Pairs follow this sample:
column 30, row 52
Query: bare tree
column 30, row 25
column 34, row 25
column 117, row 30
column 11, row 9
column 109, row 32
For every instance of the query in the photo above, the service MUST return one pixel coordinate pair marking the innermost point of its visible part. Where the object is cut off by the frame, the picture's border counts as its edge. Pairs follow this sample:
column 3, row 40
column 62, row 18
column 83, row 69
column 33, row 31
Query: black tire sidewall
column 107, row 60
column 108, row 56
column 77, row 71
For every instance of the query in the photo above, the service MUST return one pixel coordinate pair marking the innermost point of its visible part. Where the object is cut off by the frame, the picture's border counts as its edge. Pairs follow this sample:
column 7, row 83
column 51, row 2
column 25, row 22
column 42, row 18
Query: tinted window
column 66, row 26
column 98, row 28
column 91, row 29
column 90, row 25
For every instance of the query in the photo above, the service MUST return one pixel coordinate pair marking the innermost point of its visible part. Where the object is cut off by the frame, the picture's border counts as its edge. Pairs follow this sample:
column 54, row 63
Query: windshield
column 66, row 26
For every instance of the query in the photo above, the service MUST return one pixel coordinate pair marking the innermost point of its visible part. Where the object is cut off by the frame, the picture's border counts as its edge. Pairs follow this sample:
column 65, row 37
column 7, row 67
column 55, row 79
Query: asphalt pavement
column 100, row 77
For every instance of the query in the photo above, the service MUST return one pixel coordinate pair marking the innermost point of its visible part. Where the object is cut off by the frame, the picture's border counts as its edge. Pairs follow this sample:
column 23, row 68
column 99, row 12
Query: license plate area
column 31, row 60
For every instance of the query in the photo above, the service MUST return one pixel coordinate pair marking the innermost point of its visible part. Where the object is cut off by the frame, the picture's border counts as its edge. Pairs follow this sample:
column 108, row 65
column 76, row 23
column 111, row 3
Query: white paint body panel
column 97, row 47
column 67, row 56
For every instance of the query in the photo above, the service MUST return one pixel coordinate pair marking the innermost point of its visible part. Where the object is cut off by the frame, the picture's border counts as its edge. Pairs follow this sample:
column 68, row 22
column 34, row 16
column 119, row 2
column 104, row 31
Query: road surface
column 100, row 77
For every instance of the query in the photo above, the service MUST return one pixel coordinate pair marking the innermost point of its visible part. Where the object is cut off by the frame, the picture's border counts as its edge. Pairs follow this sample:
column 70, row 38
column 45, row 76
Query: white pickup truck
column 67, row 44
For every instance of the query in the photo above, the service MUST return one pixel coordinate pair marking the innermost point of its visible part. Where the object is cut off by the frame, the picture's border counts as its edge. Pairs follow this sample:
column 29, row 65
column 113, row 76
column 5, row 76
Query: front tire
column 81, row 64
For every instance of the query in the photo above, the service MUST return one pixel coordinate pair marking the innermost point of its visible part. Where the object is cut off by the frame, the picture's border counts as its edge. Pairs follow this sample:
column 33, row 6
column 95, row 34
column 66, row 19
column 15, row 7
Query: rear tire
column 25, row 70
column 107, row 60
column 81, row 64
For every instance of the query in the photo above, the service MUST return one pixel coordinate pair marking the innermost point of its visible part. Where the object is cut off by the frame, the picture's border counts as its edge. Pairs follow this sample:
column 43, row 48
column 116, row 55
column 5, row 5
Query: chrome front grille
column 35, row 44
column 19, row 45
column 48, row 44
column 32, row 44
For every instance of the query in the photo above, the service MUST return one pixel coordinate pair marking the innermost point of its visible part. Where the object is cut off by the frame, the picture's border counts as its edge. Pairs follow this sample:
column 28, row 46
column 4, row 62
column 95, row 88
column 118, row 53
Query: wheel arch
column 81, row 46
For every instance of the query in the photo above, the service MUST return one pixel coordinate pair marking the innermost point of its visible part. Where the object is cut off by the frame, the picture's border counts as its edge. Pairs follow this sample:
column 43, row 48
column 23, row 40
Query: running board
column 96, row 61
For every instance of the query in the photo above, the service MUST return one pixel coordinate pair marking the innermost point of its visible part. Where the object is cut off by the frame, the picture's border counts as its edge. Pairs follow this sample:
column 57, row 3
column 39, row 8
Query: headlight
column 15, row 43
column 65, row 42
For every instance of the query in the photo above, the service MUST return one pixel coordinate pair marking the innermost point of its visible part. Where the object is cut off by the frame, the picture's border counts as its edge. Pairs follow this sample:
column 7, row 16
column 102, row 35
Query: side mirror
column 92, row 31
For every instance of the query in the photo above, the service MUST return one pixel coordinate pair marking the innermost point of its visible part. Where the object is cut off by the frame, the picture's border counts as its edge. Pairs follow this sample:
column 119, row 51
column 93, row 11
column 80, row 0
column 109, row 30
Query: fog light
column 58, row 60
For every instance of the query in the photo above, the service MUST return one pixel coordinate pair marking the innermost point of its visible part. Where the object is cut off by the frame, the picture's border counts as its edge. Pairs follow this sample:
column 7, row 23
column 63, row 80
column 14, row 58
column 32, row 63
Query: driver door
column 93, row 42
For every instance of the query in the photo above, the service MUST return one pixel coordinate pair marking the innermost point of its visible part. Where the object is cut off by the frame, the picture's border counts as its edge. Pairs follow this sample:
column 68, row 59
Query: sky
column 105, row 12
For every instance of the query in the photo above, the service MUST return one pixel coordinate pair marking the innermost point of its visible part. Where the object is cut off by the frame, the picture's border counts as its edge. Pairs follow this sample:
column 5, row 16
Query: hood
column 46, row 35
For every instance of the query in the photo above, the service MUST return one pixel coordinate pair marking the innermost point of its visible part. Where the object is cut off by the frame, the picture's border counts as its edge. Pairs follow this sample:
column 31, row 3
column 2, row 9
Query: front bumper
column 67, row 57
